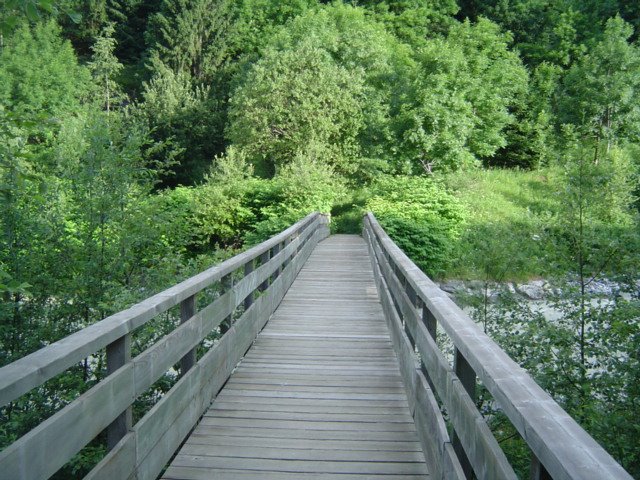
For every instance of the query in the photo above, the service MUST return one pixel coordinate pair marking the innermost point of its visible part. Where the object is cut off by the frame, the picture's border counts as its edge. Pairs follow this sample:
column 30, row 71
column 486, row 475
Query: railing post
column 187, row 310
column 118, row 354
column 432, row 326
column 537, row 471
column 264, row 259
column 248, row 268
column 429, row 321
column 467, row 378
column 412, row 298
column 274, row 251
column 286, row 260
column 227, row 284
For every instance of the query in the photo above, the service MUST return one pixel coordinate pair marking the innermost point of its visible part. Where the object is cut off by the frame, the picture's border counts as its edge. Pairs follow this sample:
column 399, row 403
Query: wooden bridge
column 328, row 367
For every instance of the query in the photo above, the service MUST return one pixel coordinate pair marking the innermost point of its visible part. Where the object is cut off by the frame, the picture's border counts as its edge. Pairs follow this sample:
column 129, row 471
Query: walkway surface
column 319, row 394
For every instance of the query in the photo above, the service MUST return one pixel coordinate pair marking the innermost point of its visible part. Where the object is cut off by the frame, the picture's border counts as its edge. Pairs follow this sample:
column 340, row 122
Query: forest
column 142, row 141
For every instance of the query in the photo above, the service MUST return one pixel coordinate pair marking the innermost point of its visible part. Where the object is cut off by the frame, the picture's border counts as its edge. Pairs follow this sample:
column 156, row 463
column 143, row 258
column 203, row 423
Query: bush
column 299, row 188
column 421, row 217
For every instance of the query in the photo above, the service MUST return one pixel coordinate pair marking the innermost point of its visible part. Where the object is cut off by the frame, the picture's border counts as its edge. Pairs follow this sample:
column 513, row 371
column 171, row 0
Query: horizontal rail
column 564, row 449
column 33, row 370
column 486, row 457
column 160, row 432
column 144, row 448
column 430, row 425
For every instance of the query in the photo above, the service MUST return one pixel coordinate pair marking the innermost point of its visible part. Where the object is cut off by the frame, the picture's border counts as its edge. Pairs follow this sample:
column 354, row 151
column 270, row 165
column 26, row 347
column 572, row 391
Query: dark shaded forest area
column 142, row 141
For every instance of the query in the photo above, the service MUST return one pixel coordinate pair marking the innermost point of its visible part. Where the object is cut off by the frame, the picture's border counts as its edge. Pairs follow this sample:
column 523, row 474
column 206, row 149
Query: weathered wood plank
column 182, row 473
column 318, row 392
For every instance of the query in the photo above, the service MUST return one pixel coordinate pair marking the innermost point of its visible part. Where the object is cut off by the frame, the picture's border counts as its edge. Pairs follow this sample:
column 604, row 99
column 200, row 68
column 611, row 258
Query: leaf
column 47, row 5
column 32, row 12
column 75, row 17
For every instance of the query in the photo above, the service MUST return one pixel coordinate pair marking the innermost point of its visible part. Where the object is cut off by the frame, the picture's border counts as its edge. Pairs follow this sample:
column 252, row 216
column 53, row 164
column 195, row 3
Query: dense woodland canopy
column 143, row 140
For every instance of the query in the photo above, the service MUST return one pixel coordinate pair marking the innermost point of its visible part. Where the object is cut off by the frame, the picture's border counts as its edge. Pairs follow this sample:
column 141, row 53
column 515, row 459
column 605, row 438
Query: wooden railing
column 414, row 307
column 142, row 450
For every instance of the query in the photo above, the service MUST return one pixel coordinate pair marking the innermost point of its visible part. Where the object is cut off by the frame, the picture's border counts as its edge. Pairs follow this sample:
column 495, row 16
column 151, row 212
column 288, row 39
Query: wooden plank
column 182, row 473
column 298, row 466
column 316, row 393
column 316, row 453
column 303, row 434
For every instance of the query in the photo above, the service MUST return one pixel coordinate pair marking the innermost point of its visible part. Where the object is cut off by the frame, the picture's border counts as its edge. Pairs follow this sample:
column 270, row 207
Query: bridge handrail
column 33, row 370
column 559, row 444
column 142, row 450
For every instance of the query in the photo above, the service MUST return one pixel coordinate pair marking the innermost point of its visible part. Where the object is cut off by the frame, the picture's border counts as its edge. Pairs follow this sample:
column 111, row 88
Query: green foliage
column 601, row 89
column 326, row 79
column 275, row 114
column 597, row 390
column 222, row 211
column 13, row 12
column 508, row 235
column 303, row 186
column 421, row 217
column 414, row 21
column 459, row 104
column 187, row 120
column 184, row 35
column 105, row 67
column 39, row 72
column 201, row 37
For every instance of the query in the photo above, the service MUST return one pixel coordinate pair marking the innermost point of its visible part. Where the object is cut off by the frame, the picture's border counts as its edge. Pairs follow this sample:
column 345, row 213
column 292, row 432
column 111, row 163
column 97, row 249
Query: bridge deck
column 319, row 394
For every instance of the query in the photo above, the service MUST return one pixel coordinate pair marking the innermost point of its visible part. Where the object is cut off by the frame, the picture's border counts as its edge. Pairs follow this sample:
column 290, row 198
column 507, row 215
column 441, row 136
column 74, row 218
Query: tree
column 600, row 91
column 414, row 21
column 328, row 79
column 105, row 67
column 458, row 107
column 39, row 72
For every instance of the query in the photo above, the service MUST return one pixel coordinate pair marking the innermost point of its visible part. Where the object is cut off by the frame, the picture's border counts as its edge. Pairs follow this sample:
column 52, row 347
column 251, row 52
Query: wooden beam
column 118, row 355
column 187, row 310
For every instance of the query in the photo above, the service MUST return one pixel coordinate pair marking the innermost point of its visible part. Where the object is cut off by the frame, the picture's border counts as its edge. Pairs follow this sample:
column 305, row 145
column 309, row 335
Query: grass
column 512, row 230
column 510, row 217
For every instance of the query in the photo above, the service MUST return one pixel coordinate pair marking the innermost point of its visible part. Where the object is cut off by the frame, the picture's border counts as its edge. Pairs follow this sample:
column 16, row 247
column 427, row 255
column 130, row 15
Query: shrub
column 299, row 188
column 420, row 216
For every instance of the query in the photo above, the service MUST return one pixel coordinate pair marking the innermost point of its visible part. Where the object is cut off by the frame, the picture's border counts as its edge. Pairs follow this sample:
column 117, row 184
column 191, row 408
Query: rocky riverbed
column 539, row 294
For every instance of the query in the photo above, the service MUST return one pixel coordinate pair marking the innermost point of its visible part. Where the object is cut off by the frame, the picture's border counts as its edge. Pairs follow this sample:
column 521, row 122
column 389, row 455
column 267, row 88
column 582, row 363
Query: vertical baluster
column 118, row 354
column 430, row 322
column 274, row 251
column 248, row 268
column 412, row 298
column 284, row 246
column 227, row 284
column 468, row 379
column 264, row 259
column 537, row 471
column 187, row 310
